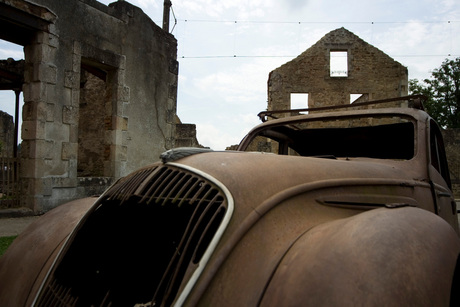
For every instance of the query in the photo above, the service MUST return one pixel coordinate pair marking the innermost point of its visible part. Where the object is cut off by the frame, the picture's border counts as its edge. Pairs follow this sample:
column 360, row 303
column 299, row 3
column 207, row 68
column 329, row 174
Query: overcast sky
column 226, row 48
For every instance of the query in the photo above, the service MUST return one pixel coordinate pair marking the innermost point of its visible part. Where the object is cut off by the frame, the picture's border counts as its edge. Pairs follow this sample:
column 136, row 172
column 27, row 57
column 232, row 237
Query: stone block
column 70, row 115
column 50, row 111
column 51, row 93
column 34, row 111
column 73, row 134
column 28, row 72
column 71, row 79
column 38, row 149
column 56, row 167
column 75, row 97
column 119, row 123
column 45, row 52
column 69, row 151
column 123, row 93
column 44, row 72
column 42, row 37
column 33, row 130
column 34, row 91
column 66, row 98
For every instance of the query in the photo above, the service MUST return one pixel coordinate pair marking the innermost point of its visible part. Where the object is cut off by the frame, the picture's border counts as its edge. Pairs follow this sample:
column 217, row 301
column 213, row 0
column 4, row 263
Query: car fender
column 28, row 259
column 383, row 257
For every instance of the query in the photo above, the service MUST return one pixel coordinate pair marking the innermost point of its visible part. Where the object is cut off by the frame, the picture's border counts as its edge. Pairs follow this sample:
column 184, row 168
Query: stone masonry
column 100, row 90
column 371, row 73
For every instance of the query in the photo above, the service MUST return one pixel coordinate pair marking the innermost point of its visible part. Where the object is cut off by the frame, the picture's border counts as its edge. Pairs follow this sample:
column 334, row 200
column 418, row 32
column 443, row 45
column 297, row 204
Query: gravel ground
column 14, row 226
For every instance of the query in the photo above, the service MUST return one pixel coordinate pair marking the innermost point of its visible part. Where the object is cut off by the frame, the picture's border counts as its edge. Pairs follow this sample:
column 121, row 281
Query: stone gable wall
column 370, row 72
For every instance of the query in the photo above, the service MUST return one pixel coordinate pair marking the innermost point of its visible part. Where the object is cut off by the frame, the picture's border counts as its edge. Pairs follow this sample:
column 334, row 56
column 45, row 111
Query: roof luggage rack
column 415, row 101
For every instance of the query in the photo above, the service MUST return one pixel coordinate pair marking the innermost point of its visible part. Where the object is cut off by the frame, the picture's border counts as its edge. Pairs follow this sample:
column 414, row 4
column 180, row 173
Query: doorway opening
column 95, row 109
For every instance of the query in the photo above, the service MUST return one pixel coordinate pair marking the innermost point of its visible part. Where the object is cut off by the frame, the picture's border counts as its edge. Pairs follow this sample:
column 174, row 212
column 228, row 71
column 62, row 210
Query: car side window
column 438, row 154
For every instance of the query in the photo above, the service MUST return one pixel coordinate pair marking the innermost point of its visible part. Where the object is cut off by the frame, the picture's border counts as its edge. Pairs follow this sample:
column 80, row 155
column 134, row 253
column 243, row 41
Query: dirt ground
column 14, row 226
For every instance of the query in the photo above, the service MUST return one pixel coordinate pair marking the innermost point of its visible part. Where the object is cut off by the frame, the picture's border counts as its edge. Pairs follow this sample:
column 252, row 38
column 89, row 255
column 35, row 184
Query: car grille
column 142, row 243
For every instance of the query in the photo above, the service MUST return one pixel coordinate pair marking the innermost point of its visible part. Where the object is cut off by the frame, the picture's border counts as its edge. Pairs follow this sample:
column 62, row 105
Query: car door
column 440, row 177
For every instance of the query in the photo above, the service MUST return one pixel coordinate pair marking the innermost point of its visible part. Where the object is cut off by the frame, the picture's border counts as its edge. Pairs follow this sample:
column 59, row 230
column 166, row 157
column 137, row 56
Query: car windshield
column 348, row 137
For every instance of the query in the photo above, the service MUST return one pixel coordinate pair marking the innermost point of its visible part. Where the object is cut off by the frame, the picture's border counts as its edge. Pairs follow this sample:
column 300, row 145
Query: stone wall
column 67, row 131
column 186, row 136
column 371, row 73
column 6, row 135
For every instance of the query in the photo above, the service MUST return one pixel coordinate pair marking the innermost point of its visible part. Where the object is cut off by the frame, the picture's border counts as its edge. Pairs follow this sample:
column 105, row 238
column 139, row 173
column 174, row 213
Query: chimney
column 166, row 8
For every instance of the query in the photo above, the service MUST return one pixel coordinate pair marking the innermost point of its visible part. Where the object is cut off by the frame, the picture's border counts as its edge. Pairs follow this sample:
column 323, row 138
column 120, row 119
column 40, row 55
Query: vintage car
column 343, row 207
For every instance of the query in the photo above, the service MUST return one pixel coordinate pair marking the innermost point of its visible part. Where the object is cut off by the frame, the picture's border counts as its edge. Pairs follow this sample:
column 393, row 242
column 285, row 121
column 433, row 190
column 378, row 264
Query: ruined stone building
column 339, row 66
column 99, row 85
column 6, row 135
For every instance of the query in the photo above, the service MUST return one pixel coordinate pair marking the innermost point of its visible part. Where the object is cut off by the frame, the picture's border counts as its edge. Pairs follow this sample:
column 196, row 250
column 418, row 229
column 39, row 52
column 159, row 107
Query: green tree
column 443, row 92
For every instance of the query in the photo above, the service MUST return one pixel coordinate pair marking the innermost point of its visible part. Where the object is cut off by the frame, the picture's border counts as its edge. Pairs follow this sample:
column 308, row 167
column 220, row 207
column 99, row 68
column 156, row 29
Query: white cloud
column 210, row 135
column 225, row 10
column 222, row 95
column 10, row 50
column 11, row 53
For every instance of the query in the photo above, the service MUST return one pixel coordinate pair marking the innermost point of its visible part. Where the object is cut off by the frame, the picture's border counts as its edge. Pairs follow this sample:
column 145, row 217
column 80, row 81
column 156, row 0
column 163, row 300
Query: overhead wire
column 175, row 19
column 234, row 55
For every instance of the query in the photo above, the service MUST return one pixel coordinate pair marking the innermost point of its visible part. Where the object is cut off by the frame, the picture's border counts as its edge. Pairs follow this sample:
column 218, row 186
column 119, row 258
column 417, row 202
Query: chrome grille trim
column 217, row 236
column 122, row 191
column 168, row 185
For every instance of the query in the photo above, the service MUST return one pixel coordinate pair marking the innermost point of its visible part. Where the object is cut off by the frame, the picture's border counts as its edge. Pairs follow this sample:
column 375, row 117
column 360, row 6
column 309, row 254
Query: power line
column 370, row 23
column 317, row 22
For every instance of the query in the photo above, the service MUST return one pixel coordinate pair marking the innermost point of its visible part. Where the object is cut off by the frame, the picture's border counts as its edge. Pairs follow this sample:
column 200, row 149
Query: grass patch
column 5, row 242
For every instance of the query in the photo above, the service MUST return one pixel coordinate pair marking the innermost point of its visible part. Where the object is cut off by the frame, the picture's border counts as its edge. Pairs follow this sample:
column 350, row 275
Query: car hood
column 254, row 177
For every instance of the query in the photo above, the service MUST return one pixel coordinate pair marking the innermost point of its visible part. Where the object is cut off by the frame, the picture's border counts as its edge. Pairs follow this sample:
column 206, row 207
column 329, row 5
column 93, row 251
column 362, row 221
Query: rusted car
column 339, row 208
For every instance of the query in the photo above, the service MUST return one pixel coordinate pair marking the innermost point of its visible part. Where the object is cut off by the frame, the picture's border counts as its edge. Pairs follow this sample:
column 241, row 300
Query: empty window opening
column 94, row 121
column 338, row 63
column 11, row 82
column 355, row 97
column 299, row 101
column 347, row 137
